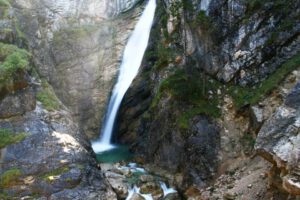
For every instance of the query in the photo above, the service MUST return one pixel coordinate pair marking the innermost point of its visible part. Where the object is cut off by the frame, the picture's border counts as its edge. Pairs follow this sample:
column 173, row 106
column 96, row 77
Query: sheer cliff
column 198, row 103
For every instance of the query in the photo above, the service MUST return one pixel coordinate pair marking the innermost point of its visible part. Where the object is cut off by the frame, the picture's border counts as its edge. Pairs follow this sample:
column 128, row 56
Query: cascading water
column 132, row 59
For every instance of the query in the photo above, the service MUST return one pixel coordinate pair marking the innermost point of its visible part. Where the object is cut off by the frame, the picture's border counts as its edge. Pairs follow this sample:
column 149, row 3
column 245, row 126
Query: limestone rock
column 117, row 182
column 17, row 103
column 77, row 46
column 257, row 117
column 279, row 141
column 53, row 160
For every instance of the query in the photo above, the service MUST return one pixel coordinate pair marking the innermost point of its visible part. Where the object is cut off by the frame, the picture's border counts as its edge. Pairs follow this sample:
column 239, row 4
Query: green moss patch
column 51, row 176
column 251, row 95
column 12, row 60
column 10, row 177
column 7, row 137
column 47, row 97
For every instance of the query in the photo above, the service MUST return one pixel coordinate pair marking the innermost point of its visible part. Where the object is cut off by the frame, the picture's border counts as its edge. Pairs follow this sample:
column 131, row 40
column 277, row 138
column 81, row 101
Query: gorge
column 204, row 94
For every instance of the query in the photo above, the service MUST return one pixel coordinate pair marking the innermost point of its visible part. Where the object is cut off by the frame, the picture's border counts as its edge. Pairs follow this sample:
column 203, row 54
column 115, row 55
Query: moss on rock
column 251, row 95
column 12, row 60
column 7, row 137
column 51, row 176
column 10, row 177
column 47, row 97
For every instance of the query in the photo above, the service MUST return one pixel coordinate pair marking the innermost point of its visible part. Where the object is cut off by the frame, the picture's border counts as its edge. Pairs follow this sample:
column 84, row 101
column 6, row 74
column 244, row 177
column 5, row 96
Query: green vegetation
column 47, row 97
column 175, row 8
column 7, row 137
column 251, row 95
column 9, row 177
column 12, row 60
column 51, row 176
column 4, row 196
column 203, row 20
column 165, row 55
column 193, row 91
column 4, row 3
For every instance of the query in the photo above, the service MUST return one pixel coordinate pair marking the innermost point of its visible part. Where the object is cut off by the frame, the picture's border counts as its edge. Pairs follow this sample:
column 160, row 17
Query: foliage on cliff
column 47, row 97
column 12, row 60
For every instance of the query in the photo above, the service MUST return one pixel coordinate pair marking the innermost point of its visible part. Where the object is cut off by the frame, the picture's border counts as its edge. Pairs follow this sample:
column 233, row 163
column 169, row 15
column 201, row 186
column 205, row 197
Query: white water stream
column 132, row 58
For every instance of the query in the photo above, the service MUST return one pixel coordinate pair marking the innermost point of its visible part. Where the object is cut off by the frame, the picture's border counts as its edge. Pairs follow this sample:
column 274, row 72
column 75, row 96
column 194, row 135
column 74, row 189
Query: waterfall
column 132, row 59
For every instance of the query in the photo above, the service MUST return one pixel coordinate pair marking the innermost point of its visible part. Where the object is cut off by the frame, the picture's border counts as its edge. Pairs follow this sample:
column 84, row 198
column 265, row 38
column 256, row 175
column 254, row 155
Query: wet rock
column 172, row 196
column 117, row 182
column 152, row 188
column 136, row 196
column 146, row 178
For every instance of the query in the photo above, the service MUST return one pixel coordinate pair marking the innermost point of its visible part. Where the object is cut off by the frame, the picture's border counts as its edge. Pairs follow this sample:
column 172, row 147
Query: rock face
column 77, row 46
column 170, row 114
column 44, row 154
column 252, row 39
column 53, row 160
column 278, row 141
